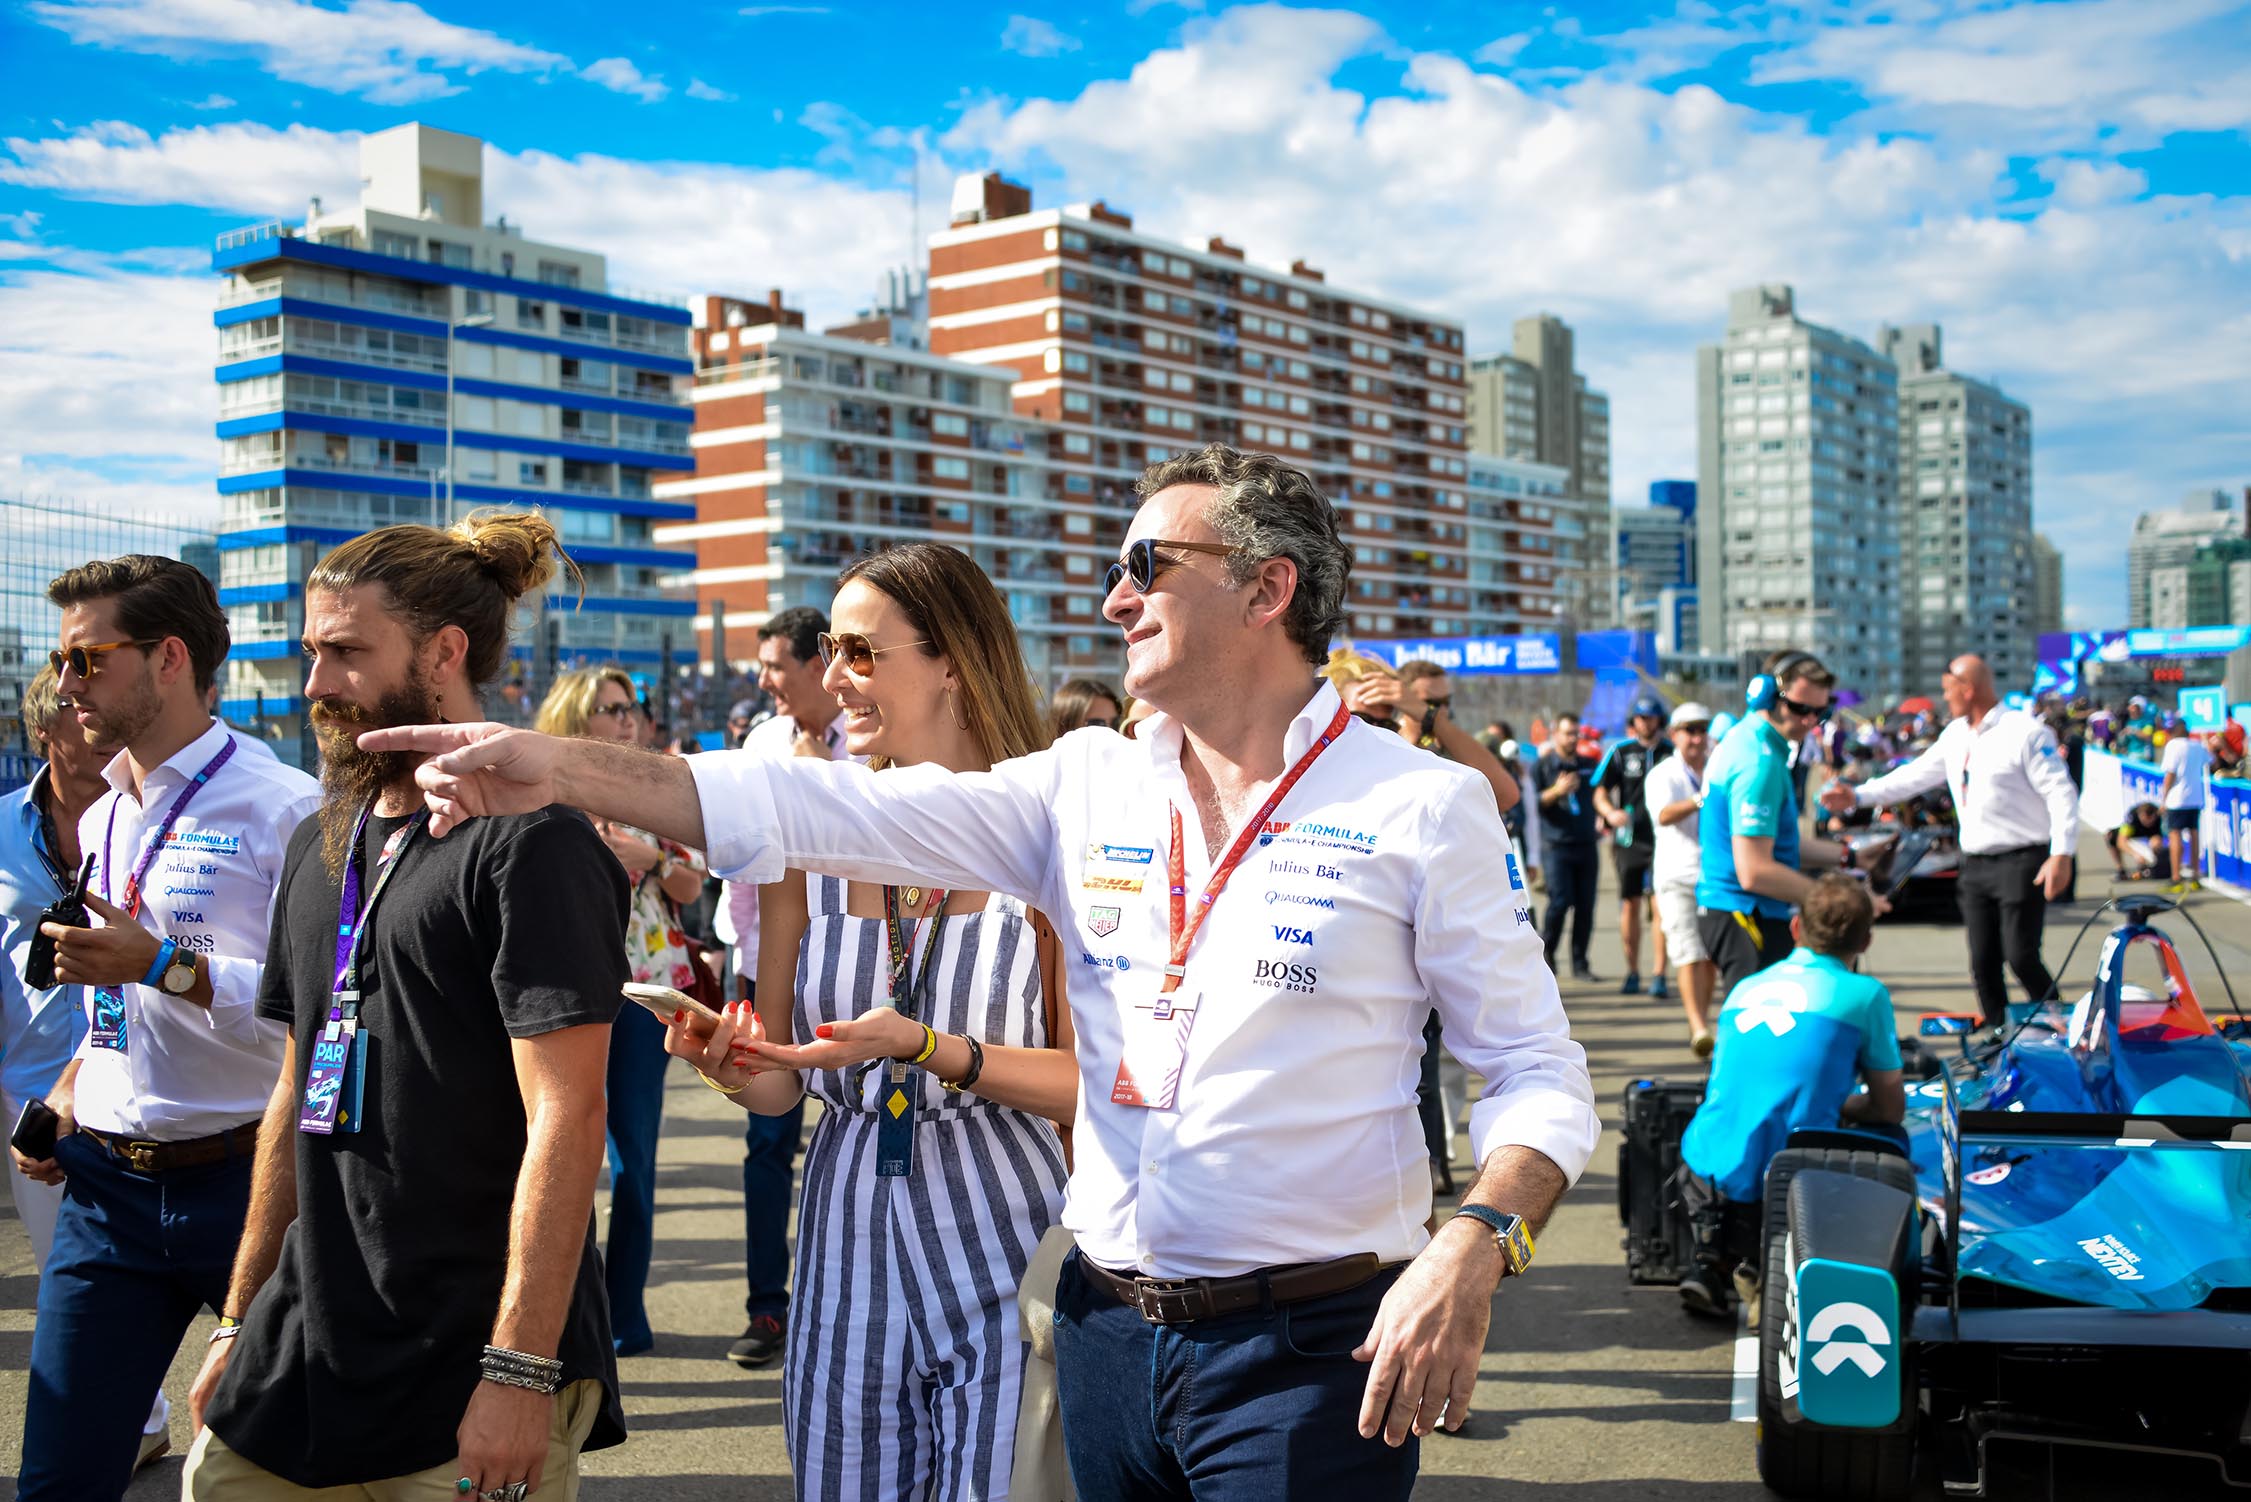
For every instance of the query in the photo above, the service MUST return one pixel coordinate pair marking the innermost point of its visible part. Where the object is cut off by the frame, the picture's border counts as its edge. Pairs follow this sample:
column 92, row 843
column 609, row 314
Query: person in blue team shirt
column 1791, row 1043
column 1748, row 827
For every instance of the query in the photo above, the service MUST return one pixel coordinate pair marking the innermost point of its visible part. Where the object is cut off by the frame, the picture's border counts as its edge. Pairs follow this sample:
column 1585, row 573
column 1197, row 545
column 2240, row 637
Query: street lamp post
column 472, row 321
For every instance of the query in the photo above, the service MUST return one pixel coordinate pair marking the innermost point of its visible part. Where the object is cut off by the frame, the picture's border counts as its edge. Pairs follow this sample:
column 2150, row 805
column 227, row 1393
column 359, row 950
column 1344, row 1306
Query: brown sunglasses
column 859, row 657
column 80, row 660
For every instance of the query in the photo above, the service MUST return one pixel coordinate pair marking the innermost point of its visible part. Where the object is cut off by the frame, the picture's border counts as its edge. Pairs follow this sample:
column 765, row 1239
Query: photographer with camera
column 156, row 1114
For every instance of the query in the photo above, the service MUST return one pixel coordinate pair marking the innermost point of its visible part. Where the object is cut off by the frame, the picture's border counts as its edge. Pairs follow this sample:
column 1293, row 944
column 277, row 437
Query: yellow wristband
column 929, row 1043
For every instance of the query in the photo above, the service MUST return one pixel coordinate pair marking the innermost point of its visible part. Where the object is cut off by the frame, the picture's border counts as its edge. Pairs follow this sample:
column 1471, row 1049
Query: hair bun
column 517, row 549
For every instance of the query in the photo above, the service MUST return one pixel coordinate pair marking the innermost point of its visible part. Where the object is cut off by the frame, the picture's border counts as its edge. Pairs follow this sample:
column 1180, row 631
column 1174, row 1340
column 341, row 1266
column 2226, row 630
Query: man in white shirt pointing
column 2019, row 817
column 1251, row 1230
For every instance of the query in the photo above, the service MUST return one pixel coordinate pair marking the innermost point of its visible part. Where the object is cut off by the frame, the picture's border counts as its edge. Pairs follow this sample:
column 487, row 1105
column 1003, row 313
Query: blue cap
column 1646, row 705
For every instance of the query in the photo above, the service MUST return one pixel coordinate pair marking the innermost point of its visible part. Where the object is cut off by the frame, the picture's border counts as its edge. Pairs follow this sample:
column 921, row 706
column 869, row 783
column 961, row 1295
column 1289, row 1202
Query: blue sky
column 2065, row 186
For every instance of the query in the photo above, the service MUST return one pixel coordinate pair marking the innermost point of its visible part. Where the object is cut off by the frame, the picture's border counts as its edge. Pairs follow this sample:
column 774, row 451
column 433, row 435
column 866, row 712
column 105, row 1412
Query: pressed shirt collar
column 27, row 811
column 178, row 767
column 1986, row 721
column 1163, row 735
column 1806, row 954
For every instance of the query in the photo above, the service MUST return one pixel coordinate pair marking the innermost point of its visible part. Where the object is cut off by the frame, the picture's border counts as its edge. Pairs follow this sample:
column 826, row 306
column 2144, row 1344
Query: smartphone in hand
column 35, row 1131
column 664, row 1001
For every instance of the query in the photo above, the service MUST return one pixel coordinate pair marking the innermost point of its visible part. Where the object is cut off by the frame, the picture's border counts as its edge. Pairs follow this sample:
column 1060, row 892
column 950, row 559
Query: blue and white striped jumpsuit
column 904, row 1354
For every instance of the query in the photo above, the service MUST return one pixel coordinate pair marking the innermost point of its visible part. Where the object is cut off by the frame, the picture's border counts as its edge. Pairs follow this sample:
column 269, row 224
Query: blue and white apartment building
column 343, row 343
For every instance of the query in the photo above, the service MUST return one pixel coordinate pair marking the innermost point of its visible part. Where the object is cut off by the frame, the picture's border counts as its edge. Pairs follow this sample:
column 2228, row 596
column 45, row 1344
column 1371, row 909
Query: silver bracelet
column 542, row 1374
column 547, row 1386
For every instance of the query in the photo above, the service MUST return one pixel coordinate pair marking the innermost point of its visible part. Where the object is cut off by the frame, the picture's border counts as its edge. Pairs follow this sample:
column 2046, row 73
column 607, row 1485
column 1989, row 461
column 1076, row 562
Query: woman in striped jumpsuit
column 904, row 1357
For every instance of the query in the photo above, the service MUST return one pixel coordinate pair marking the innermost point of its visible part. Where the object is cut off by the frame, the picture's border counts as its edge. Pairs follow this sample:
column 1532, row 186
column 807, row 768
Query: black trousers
column 2002, row 914
column 1572, row 871
column 1740, row 945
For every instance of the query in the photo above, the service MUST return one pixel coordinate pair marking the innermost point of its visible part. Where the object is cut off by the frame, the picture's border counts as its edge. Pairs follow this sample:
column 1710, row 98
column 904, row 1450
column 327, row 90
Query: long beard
column 351, row 778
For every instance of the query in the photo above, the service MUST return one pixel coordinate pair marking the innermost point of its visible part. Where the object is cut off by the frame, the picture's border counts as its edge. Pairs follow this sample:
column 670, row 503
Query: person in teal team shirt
column 1749, row 826
column 1792, row 1042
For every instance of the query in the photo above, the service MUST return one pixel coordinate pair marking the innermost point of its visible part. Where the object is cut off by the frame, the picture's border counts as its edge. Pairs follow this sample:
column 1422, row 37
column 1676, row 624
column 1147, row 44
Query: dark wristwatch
column 179, row 976
column 1510, row 1234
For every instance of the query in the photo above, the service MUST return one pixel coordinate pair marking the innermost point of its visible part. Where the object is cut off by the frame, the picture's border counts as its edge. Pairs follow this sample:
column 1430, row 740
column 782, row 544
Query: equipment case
column 1657, row 1240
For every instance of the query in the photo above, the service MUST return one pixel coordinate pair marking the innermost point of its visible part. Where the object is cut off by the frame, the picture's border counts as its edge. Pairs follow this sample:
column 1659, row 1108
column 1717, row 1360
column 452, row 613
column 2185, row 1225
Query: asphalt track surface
column 1591, row 1391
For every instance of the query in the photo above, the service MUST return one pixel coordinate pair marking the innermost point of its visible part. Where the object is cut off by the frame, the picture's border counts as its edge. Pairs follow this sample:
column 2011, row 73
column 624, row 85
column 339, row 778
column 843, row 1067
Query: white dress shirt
column 187, row 1071
column 2010, row 785
column 1385, row 885
column 1679, row 857
column 735, row 924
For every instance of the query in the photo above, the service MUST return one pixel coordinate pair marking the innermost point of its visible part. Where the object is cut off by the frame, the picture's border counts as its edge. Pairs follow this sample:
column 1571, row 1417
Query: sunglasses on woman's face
column 1143, row 564
column 616, row 711
column 859, row 656
column 80, row 660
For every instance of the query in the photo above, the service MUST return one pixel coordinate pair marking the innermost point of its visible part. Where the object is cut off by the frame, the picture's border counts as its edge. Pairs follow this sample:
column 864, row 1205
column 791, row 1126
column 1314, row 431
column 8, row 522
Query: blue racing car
column 2063, row 1261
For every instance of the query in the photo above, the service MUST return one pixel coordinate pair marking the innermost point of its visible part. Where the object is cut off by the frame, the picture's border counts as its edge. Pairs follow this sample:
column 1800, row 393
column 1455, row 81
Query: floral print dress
column 656, row 950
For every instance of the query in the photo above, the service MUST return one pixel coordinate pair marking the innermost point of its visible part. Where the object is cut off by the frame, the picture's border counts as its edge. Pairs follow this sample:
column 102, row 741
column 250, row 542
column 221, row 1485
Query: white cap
column 1691, row 713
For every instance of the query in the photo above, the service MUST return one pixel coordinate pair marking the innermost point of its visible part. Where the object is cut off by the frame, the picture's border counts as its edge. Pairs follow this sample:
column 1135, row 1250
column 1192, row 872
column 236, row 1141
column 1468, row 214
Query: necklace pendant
column 913, row 896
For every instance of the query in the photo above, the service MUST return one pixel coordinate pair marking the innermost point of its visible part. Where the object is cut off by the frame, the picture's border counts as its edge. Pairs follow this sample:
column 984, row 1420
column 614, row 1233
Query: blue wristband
column 164, row 954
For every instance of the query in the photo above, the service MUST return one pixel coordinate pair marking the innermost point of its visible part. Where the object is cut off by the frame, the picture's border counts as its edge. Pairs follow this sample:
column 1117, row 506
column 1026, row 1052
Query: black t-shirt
column 1625, row 766
column 358, row 1357
column 1568, row 820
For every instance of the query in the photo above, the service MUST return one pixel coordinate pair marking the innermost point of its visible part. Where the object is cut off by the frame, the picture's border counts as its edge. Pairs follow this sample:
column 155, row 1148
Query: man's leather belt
column 1177, row 1301
column 144, row 1156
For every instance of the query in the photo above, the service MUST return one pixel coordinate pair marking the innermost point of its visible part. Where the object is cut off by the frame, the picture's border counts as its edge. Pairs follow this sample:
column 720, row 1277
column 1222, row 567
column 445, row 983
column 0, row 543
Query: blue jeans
column 769, row 1161
column 135, row 1257
column 636, row 1112
column 1246, row 1408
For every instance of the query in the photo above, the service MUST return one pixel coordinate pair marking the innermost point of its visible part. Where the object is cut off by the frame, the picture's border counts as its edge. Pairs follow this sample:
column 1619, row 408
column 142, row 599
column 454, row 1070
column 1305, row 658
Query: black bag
column 1657, row 1241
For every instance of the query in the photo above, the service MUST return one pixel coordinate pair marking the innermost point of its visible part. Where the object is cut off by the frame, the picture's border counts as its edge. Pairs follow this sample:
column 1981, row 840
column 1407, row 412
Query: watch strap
column 1510, row 1234
column 164, row 952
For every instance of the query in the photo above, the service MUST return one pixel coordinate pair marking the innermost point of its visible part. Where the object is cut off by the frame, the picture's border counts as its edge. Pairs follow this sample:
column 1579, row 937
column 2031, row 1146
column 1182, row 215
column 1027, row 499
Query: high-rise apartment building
column 1135, row 348
column 1797, row 493
column 2163, row 540
column 1515, row 507
column 1656, row 558
column 1533, row 404
column 1965, row 517
column 2047, row 586
column 814, row 449
column 405, row 360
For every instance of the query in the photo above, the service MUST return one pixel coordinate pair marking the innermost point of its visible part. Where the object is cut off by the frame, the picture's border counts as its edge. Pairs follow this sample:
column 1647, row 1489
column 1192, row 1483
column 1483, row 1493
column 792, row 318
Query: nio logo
column 1773, row 1005
column 1830, row 1352
column 2112, row 1254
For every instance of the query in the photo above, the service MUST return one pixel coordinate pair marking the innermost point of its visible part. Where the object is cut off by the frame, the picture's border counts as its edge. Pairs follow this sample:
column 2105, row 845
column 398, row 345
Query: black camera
column 69, row 912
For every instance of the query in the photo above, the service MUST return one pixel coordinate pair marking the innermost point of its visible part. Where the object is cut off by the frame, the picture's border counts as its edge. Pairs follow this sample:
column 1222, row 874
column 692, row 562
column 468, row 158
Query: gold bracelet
column 712, row 1084
column 929, row 1043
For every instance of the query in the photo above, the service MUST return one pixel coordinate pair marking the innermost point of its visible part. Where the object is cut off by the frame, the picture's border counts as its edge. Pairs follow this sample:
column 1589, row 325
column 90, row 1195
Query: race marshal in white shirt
column 1277, row 1201
column 2019, row 816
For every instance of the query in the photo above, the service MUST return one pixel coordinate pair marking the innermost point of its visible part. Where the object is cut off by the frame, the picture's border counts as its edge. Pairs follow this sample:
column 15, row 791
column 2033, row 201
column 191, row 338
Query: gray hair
column 1269, row 509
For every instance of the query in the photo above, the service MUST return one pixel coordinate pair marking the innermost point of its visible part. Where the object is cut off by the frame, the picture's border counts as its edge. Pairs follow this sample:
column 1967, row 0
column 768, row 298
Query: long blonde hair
column 947, row 598
column 568, row 708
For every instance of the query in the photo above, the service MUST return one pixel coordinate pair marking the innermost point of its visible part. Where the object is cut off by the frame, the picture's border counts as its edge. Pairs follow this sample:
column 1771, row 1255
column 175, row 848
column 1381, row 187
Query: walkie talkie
column 69, row 911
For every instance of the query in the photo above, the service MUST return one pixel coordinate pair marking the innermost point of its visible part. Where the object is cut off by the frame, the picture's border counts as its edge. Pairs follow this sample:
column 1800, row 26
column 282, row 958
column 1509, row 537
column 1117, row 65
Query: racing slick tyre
column 1797, row 1459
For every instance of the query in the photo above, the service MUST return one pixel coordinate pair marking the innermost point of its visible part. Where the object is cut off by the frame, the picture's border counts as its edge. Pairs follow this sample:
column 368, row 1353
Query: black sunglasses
column 1142, row 563
column 1815, row 712
column 80, row 660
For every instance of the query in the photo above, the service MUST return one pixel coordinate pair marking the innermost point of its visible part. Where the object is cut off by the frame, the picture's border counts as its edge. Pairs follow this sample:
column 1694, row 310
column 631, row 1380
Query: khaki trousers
column 216, row 1474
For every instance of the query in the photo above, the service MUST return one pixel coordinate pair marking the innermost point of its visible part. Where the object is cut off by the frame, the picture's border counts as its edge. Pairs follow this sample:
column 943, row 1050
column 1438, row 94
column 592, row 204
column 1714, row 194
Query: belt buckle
column 1149, row 1293
column 140, row 1155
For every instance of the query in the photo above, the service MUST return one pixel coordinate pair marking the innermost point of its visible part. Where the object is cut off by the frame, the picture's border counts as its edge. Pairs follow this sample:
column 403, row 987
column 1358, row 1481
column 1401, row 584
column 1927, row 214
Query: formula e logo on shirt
column 1120, row 855
column 1105, row 961
column 1284, row 934
column 210, row 842
column 1102, row 921
column 1307, row 832
column 1287, row 974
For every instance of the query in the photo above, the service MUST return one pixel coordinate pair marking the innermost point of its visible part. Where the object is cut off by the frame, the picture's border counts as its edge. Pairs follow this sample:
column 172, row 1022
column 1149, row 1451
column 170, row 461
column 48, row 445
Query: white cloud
column 1502, row 51
column 1029, row 36
column 1632, row 212
column 618, row 75
column 239, row 168
column 213, row 102
column 388, row 51
column 698, row 89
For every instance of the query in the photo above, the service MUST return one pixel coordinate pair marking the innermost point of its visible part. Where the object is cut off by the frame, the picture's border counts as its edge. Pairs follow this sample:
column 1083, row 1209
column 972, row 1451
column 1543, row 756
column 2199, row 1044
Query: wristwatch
column 179, row 975
column 1510, row 1234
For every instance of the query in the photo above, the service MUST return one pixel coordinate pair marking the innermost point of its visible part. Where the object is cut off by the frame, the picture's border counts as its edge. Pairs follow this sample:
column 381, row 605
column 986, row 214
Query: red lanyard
column 1184, row 929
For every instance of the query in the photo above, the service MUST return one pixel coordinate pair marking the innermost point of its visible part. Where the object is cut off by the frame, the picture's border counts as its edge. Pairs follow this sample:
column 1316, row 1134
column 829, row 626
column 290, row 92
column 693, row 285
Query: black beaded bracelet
column 976, row 1066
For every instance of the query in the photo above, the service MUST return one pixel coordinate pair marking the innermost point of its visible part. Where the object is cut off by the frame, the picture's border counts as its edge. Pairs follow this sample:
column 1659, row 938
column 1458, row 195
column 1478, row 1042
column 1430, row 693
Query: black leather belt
column 144, row 1156
column 1177, row 1301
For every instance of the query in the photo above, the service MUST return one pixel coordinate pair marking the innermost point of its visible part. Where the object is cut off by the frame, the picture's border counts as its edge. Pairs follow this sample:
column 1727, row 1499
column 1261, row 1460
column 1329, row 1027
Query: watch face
column 180, row 975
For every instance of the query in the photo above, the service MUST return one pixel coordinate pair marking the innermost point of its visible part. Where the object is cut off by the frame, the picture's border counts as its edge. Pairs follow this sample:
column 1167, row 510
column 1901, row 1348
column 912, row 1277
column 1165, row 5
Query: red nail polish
column 824, row 1031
